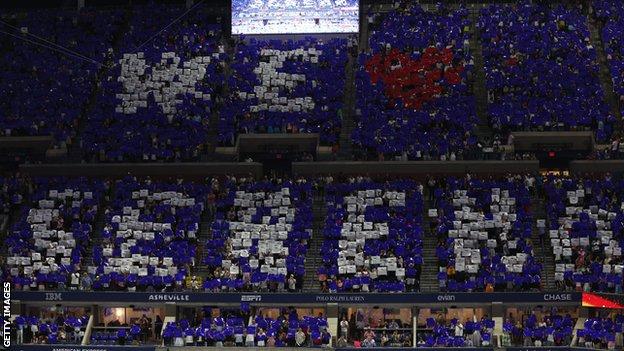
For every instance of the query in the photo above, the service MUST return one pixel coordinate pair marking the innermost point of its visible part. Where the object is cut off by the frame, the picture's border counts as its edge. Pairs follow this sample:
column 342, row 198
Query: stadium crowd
column 373, row 237
column 155, row 100
column 454, row 333
column 585, row 232
column 413, row 91
column 549, row 329
column 62, row 329
column 484, row 230
column 602, row 332
column 44, row 91
column 126, row 86
column 542, row 70
column 258, row 233
column 156, row 95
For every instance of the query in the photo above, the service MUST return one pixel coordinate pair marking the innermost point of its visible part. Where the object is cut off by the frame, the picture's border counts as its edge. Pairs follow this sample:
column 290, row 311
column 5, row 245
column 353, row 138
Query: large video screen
column 294, row 16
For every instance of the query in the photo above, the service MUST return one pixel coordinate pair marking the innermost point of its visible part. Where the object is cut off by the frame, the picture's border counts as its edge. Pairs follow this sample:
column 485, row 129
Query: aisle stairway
column 348, row 110
column 605, row 76
column 313, row 258
column 75, row 152
column 12, row 218
column 364, row 34
column 479, row 88
column 98, row 226
column 204, row 235
column 542, row 247
column 213, row 130
column 429, row 276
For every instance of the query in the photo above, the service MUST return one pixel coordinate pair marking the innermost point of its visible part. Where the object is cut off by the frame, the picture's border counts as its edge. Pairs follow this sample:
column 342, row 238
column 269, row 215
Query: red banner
column 415, row 82
column 594, row 300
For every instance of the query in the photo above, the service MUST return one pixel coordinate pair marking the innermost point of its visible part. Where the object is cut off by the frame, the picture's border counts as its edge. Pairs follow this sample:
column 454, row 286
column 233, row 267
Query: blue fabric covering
column 491, row 269
column 75, row 215
column 173, row 243
column 542, row 71
column 51, row 328
column 611, row 13
column 404, row 240
column 43, row 90
column 437, row 126
column 149, row 134
column 216, row 249
column 324, row 84
column 599, row 194
column 602, row 330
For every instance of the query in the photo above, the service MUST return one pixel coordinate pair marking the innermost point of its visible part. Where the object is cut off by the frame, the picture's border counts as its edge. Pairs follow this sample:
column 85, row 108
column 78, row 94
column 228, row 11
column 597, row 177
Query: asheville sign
column 571, row 298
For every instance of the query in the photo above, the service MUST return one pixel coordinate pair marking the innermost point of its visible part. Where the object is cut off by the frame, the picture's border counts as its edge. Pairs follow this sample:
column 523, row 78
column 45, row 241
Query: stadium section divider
column 569, row 298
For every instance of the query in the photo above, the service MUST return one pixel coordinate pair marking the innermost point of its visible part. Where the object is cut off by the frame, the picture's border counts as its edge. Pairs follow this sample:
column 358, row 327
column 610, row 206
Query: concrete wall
column 26, row 142
column 147, row 169
column 546, row 141
column 387, row 169
column 581, row 167
column 414, row 168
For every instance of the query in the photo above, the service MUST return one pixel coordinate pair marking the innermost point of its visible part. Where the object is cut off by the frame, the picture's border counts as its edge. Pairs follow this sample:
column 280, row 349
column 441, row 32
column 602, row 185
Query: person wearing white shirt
column 261, row 338
column 550, row 339
column 79, row 335
column 369, row 341
column 344, row 327
column 292, row 283
column 238, row 339
column 300, row 337
column 476, row 338
column 75, row 281
column 250, row 340
column 189, row 340
column 459, row 329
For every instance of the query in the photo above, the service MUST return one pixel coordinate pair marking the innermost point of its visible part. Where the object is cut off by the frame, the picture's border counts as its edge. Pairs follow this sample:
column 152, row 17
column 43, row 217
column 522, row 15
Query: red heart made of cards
column 414, row 81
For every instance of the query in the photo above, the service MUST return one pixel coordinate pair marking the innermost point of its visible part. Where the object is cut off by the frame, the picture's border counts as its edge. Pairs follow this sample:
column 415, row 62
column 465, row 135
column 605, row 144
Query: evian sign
column 446, row 298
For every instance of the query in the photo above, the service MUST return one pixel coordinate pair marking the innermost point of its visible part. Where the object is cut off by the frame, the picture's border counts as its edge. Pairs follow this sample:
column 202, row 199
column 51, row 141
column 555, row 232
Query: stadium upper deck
column 437, row 82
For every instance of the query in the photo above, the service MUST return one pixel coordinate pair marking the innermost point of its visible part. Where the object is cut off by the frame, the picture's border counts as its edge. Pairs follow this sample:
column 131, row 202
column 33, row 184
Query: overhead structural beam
column 553, row 141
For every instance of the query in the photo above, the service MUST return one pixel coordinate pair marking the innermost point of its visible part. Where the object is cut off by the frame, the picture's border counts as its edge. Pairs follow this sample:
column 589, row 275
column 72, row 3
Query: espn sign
column 251, row 298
